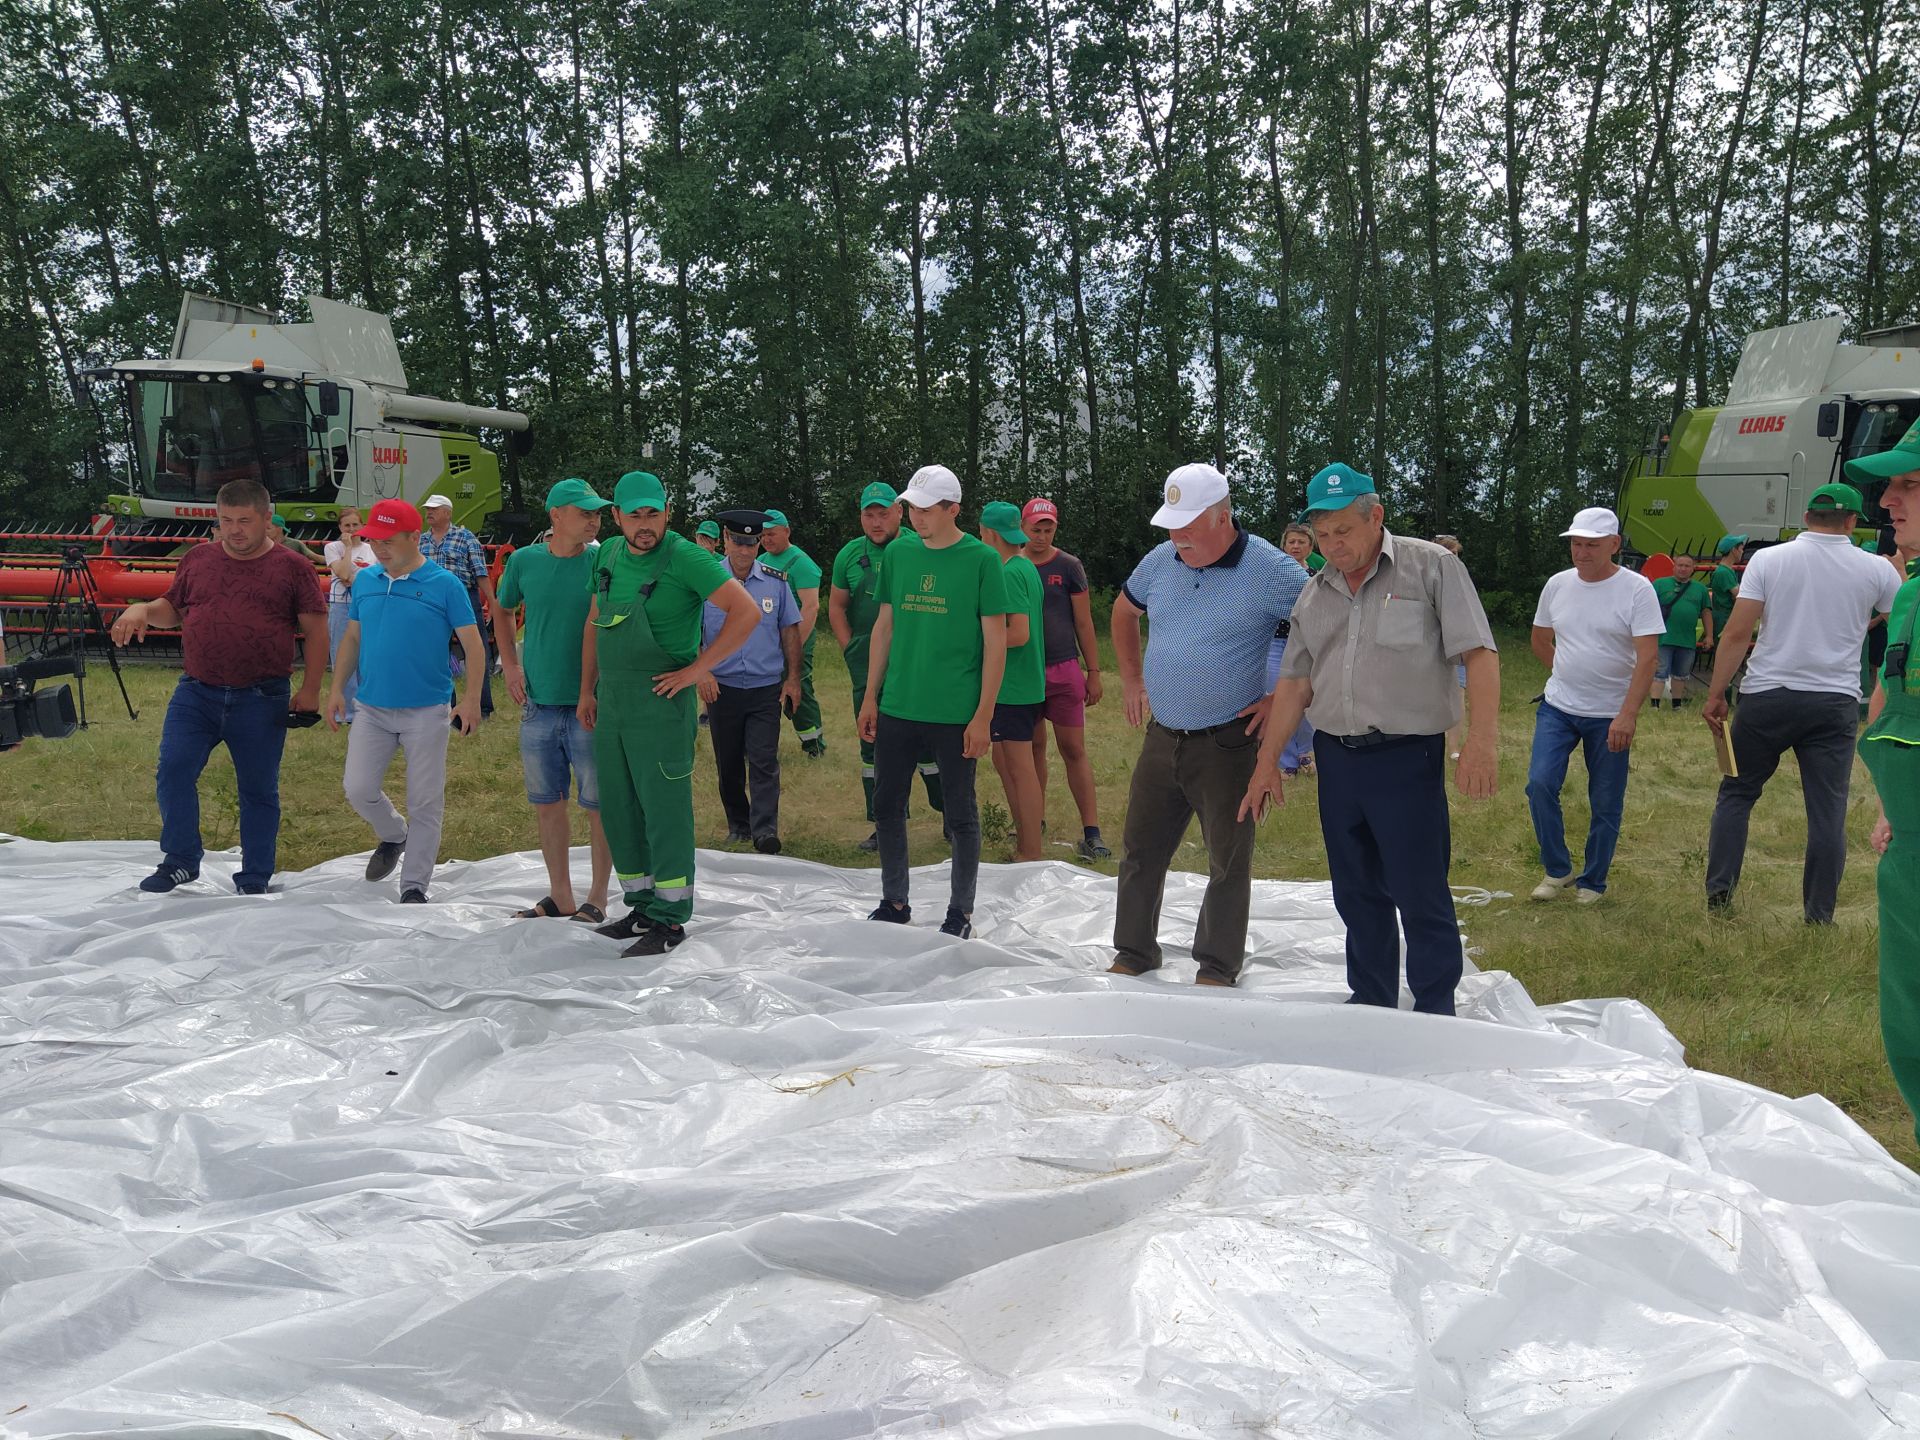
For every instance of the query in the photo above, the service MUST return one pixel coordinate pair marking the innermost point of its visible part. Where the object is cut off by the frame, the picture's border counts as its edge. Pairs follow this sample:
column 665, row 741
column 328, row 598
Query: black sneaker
column 385, row 856
column 889, row 913
column 871, row 843
column 956, row 925
column 767, row 844
column 736, row 837
column 813, row 749
column 625, row 928
column 1719, row 900
column 656, row 940
column 168, row 877
column 1092, row 847
column 250, row 888
column 413, row 895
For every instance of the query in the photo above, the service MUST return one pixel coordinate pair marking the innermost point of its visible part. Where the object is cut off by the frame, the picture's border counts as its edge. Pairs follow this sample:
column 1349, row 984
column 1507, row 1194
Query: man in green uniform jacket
column 640, row 665
column 853, row 604
column 778, row 552
column 1891, row 750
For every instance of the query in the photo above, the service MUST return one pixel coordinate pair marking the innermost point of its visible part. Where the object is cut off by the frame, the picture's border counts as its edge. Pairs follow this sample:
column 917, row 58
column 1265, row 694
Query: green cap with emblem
column 574, row 491
column 1836, row 496
column 638, row 490
column 879, row 493
column 776, row 520
column 1003, row 518
column 1336, row 487
column 1902, row 459
column 708, row 529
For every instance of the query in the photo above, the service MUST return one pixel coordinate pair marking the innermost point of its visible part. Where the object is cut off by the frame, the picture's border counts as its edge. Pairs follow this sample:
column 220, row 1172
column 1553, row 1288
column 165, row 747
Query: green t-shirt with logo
column 938, row 598
column 685, row 574
column 1683, row 614
column 1025, row 682
column 1725, row 587
column 557, row 590
column 798, row 566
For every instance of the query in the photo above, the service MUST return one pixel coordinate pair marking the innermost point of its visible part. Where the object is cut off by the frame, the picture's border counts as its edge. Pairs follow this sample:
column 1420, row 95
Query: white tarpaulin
column 315, row 1162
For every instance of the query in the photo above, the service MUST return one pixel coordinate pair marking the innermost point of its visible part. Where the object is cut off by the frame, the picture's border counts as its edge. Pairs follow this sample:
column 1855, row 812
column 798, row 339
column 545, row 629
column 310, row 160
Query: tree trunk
column 583, row 153
column 149, row 185
column 1574, row 436
column 1076, row 252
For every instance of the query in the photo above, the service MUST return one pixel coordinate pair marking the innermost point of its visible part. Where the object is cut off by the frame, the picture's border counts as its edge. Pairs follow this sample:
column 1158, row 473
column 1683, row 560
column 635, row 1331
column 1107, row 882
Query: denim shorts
column 553, row 743
column 1675, row 663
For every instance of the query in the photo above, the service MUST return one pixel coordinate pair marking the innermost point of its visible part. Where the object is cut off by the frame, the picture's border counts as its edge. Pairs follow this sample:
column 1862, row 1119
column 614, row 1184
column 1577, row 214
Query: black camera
column 27, row 713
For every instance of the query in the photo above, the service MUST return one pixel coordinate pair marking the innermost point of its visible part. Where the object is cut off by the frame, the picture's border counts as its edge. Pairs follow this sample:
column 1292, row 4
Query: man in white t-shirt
column 1813, row 600
column 1597, row 630
column 346, row 558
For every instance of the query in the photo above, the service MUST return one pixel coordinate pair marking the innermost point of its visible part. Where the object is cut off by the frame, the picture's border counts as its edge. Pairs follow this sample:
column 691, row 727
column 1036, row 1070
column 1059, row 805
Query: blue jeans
column 1555, row 734
column 251, row 721
column 336, row 629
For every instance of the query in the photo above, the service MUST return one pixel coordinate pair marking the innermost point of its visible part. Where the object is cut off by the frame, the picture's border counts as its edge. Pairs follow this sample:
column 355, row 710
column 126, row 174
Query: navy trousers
column 1383, row 815
column 251, row 721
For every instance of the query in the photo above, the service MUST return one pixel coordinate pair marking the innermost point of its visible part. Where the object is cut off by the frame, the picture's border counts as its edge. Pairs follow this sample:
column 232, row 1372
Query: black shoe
column 625, row 928
column 871, row 843
column 1092, row 847
column 767, row 844
column 657, row 940
column 385, row 856
column 413, row 895
column 957, row 925
column 813, row 749
column 1656, row 703
column 1719, row 900
column 891, row 914
column 168, row 877
column 736, row 837
column 249, row 889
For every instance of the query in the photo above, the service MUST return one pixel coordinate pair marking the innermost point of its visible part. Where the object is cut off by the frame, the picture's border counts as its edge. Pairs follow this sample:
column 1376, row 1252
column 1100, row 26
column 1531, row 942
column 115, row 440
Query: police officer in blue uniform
column 751, row 687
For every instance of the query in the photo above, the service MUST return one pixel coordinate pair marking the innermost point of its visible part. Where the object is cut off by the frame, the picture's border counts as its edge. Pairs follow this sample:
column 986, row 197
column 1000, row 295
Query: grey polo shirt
column 1383, row 659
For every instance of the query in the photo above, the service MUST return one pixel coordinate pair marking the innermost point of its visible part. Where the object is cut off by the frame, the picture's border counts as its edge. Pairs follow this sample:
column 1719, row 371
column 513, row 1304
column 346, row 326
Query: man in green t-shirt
column 552, row 579
column 1723, row 588
column 1023, row 689
column 778, row 552
column 640, row 666
column 934, row 665
column 853, row 604
column 1684, row 605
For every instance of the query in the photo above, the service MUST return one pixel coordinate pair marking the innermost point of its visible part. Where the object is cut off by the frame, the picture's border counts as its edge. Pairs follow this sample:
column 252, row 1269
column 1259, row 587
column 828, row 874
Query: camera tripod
column 75, row 601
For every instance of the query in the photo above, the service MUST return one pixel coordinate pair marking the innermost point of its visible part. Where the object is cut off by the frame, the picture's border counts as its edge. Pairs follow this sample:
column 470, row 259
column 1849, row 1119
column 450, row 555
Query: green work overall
column 863, row 608
column 1891, row 750
column 643, row 744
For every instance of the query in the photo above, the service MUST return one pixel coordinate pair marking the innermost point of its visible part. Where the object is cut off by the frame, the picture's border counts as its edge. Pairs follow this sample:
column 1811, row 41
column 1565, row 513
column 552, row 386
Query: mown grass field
column 1757, row 995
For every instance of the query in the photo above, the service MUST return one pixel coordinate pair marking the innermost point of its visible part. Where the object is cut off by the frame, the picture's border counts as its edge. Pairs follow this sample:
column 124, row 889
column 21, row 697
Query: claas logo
column 389, row 455
column 1763, row 425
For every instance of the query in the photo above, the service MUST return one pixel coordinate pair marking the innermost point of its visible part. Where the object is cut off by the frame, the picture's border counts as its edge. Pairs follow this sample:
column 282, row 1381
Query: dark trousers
column 1819, row 727
column 251, row 721
column 1383, row 815
column 745, row 726
column 897, row 748
column 1176, row 778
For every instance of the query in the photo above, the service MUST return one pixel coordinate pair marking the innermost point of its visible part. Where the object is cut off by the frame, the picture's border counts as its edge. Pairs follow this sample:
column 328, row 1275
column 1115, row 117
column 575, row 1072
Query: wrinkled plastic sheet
column 318, row 1163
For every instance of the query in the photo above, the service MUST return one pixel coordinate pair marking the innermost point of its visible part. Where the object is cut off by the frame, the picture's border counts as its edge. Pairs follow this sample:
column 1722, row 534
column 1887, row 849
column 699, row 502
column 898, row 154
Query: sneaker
column 1092, row 847
column 736, row 837
column 385, row 856
column 656, row 940
column 625, row 928
column 1719, row 901
column 767, row 844
column 891, row 914
column 250, row 888
column 1552, row 887
column 813, row 749
column 1588, row 897
column 413, row 895
column 1656, row 702
column 871, row 843
column 168, row 877
column 957, row 925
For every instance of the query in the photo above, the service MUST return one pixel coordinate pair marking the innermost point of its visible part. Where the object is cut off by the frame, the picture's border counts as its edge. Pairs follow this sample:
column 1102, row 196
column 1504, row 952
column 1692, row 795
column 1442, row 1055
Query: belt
column 1372, row 740
column 1208, row 730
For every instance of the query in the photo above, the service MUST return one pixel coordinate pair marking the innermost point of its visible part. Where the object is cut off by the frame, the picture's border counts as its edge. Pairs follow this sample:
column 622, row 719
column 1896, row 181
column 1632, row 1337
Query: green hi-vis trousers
column 806, row 718
column 1891, row 750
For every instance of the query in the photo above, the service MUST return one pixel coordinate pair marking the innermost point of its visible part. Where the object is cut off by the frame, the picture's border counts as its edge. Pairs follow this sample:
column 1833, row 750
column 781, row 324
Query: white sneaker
column 1551, row 887
column 1588, row 897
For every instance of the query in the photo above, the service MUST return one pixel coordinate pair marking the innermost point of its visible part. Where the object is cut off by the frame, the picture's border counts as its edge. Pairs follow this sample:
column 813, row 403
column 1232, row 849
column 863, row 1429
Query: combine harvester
column 319, row 413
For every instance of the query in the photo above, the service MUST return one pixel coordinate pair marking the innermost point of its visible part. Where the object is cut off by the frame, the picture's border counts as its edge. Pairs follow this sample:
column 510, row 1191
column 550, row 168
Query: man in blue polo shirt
column 400, row 618
column 748, row 690
column 1214, row 595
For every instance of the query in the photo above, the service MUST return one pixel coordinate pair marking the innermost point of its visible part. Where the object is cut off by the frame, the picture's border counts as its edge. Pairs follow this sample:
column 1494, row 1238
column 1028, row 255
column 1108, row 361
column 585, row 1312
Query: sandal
column 590, row 914
column 545, row 910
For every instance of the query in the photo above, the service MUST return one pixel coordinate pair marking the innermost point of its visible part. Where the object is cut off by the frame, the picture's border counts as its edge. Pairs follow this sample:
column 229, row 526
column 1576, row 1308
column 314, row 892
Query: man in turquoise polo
column 640, row 670
column 779, row 553
column 553, row 580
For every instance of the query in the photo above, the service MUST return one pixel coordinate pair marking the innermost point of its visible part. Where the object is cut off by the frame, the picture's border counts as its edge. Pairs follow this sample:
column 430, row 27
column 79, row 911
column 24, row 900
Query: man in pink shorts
column 1067, row 617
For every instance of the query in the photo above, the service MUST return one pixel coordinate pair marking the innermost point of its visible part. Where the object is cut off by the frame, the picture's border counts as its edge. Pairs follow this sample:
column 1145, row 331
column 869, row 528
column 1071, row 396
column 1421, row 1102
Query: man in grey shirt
column 1370, row 661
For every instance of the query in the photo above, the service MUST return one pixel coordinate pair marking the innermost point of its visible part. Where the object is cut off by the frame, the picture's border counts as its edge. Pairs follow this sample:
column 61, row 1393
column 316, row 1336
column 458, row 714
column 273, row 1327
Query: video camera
column 27, row 713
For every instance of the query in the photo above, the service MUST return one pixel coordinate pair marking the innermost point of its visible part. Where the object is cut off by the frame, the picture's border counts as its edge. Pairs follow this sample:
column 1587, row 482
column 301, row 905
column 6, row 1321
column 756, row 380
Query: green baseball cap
column 1003, row 518
column 638, row 490
column 1730, row 543
column 1836, row 495
column 776, row 518
column 708, row 529
column 879, row 493
column 1900, row 460
column 577, row 492
column 1336, row 487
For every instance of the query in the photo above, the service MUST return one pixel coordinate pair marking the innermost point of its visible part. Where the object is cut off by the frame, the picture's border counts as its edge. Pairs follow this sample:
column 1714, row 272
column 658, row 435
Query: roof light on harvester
column 258, row 364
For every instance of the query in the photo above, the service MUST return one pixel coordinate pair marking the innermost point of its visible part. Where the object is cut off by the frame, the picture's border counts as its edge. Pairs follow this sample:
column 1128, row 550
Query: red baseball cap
column 388, row 518
column 1039, row 508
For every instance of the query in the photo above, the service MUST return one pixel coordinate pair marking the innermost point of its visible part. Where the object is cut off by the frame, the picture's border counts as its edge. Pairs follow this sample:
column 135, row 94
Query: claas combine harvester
column 318, row 412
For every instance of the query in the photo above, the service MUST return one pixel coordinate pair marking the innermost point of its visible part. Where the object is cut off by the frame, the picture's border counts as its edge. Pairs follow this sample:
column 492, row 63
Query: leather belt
column 1189, row 734
column 1371, row 740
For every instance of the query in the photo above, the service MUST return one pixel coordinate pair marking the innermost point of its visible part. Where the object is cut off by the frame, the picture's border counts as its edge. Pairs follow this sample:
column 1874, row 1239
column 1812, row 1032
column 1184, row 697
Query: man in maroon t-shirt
column 1067, row 616
column 238, row 602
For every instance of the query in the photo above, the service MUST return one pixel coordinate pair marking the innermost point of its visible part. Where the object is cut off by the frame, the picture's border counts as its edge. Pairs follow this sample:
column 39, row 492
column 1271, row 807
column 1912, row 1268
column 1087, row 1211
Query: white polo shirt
column 1821, row 592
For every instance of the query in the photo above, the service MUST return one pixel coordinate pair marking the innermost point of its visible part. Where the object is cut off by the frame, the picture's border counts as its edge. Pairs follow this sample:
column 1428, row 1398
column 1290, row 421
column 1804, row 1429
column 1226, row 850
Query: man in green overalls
column 852, row 607
column 778, row 552
column 641, row 662
column 1891, row 750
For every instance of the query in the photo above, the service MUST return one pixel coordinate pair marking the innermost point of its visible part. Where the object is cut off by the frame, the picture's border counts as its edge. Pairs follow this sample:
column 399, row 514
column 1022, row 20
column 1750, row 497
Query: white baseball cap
column 436, row 502
column 930, row 485
column 1189, row 490
column 1595, row 523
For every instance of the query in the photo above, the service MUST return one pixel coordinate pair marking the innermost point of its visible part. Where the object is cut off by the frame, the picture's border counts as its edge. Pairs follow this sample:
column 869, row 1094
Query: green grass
column 1757, row 995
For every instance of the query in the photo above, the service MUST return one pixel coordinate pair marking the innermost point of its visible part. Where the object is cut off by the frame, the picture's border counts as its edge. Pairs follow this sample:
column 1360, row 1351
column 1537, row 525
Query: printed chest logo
column 927, row 582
